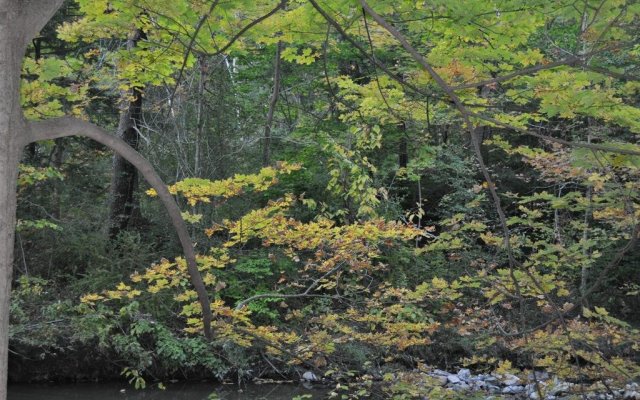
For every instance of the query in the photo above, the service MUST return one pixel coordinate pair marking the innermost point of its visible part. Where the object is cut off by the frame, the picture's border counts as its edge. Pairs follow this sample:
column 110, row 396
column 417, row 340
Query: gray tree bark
column 13, row 40
column 273, row 100
column 124, row 203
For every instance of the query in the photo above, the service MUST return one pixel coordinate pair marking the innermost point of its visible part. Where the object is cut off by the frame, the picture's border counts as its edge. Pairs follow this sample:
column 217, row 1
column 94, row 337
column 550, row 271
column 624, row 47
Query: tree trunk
column 9, row 151
column 403, row 146
column 200, row 118
column 266, row 148
column 8, row 176
column 12, row 125
column 124, row 202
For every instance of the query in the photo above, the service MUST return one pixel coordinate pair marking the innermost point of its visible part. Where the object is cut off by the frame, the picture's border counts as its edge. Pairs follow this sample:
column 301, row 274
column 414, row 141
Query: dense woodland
column 372, row 189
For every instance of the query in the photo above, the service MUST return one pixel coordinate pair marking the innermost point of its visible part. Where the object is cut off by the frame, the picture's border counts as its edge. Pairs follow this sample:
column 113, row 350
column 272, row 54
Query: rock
column 510, row 380
column 513, row 389
column 479, row 385
column 489, row 378
column 530, row 388
column 440, row 380
column 439, row 372
column 464, row 374
column 560, row 387
column 631, row 394
column 539, row 375
column 461, row 387
column 493, row 389
column 453, row 379
column 310, row 376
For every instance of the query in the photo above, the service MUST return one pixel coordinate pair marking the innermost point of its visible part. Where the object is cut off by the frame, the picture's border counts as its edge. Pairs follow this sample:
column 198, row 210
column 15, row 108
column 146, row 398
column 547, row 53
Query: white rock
column 631, row 394
column 479, row 384
column 540, row 375
column 310, row 376
column 510, row 380
column 493, row 389
column 464, row 374
column 560, row 387
column 489, row 378
column 453, row 379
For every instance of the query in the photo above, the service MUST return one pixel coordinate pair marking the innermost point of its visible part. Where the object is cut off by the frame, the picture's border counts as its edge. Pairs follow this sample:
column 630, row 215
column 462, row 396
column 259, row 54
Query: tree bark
column 13, row 42
column 403, row 146
column 266, row 149
column 124, row 202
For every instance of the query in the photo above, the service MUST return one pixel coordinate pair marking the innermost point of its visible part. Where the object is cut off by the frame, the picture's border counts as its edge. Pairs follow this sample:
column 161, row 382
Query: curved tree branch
column 36, row 14
column 592, row 146
column 69, row 126
column 569, row 61
column 201, row 21
column 250, row 25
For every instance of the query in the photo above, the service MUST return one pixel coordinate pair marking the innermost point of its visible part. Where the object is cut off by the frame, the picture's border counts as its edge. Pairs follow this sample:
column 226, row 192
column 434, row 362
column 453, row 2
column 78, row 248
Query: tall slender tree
column 124, row 204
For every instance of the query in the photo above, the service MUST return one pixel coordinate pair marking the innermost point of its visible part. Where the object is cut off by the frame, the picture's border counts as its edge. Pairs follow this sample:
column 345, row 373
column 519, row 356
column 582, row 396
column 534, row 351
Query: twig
column 306, row 293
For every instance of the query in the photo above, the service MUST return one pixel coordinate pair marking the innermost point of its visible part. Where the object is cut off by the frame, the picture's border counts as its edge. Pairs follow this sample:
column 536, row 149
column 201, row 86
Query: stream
column 180, row 391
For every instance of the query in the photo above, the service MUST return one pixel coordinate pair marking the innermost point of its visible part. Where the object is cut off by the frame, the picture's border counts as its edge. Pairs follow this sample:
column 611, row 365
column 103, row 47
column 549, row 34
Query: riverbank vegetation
column 373, row 189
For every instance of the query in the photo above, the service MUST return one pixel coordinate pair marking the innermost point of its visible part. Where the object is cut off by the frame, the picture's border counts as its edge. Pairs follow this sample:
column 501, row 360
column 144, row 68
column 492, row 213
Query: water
column 181, row 391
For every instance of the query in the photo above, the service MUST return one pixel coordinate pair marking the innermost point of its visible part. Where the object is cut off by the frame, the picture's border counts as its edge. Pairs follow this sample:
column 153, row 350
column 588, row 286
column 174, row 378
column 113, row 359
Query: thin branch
column 250, row 25
column 306, row 293
column 592, row 146
column 230, row 43
column 364, row 52
column 187, row 52
column 525, row 71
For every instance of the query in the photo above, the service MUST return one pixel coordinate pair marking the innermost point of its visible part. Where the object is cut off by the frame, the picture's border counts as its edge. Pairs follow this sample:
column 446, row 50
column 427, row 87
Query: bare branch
column 592, row 146
column 525, row 71
column 201, row 21
column 69, row 126
column 569, row 61
column 187, row 52
column 364, row 52
column 247, row 27
column 306, row 293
